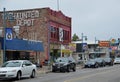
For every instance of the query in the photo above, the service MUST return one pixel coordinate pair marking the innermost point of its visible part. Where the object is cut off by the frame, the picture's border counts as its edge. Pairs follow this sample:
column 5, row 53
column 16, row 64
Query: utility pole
column 58, row 5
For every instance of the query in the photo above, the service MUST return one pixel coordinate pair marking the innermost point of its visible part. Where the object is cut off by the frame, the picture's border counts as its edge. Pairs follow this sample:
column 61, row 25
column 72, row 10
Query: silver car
column 117, row 61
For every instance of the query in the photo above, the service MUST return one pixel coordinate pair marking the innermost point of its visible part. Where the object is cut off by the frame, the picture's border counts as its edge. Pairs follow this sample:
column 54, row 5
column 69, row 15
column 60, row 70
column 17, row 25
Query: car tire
column 74, row 69
column 33, row 74
column 96, row 66
column 18, row 77
column 53, row 70
column 68, row 68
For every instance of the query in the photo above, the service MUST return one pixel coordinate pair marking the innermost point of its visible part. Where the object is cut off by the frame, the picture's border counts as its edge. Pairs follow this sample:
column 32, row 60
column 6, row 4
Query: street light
column 96, row 47
column 4, row 26
column 82, row 43
column 61, row 40
column 5, row 17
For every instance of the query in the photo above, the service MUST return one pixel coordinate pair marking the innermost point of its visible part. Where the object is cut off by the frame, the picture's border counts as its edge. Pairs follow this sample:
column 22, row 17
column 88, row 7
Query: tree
column 75, row 37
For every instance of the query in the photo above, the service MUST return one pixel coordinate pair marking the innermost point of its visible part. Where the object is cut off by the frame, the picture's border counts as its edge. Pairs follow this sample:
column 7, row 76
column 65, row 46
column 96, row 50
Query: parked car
column 100, row 62
column 117, row 60
column 17, row 69
column 91, row 63
column 64, row 64
column 108, row 61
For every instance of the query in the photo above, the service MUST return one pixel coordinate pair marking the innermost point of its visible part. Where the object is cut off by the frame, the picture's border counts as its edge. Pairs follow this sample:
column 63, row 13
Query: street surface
column 102, row 74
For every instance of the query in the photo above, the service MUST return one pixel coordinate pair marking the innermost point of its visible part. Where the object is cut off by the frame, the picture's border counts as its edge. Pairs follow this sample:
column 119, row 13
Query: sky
column 93, row 18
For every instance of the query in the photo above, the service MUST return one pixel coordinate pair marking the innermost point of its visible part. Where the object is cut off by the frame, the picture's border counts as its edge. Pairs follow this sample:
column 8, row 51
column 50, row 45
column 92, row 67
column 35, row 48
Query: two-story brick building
column 42, row 31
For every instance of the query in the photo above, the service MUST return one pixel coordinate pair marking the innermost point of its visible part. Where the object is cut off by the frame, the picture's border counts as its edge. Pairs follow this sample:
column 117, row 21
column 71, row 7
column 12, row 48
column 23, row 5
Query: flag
column 8, row 33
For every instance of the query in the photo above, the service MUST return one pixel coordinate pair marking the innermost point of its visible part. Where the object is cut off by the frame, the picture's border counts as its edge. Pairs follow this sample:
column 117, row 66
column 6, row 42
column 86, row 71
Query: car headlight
column 53, row 64
column 12, row 71
column 65, row 64
column 93, row 63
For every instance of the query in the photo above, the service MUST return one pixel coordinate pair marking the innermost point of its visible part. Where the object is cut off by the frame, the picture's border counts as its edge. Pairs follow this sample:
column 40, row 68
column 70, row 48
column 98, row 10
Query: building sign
column 25, row 18
column 114, row 47
column 72, row 46
column 104, row 43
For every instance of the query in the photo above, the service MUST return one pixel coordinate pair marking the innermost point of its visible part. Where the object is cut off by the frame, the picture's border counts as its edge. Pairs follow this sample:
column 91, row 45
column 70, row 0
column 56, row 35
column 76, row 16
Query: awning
column 66, row 51
column 22, row 45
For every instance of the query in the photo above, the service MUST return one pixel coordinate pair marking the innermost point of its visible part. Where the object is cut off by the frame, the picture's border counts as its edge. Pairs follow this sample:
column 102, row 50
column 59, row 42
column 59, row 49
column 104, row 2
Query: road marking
column 87, row 76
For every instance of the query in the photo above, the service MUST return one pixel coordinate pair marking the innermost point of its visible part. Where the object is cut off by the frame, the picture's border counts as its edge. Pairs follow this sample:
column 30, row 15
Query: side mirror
column 23, row 65
column 70, row 61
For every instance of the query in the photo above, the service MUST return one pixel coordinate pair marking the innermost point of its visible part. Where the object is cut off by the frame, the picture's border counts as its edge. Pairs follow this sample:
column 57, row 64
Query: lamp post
column 10, row 18
column 4, row 27
column 82, row 43
column 61, row 40
column 96, row 46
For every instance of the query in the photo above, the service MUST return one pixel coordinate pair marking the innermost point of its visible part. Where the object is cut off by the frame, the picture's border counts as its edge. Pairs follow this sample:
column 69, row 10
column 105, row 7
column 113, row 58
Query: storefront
column 21, row 49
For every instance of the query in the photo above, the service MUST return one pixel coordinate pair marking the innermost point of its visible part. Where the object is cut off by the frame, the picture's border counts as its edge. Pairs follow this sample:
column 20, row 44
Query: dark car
column 100, row 62
column 64, row 64
column 108, row 61
column 91, row 63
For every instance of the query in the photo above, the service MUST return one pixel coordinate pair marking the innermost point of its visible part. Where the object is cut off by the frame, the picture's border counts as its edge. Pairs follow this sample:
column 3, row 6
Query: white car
column 17, row 69
column 117, row 61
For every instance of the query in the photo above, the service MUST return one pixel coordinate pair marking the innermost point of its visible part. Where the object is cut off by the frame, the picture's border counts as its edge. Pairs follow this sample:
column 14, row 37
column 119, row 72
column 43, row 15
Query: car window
column 12, row 64
column 71, row 59
column 27, row 63
column 62, row 60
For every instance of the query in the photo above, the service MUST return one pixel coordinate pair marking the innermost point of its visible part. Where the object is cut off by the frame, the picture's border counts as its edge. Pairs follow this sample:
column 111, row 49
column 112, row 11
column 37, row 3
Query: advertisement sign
column 72, row 46
column 104, row 43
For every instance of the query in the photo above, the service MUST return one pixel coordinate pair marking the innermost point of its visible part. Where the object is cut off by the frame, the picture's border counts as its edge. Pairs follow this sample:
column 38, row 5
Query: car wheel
column 74, row 69
column 96, row 65
column 18, row 75
column 53, row 70
column 33, row 74
column 68, row 68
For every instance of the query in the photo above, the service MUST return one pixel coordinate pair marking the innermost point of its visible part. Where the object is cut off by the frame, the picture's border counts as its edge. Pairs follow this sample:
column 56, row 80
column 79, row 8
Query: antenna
column 58, row 5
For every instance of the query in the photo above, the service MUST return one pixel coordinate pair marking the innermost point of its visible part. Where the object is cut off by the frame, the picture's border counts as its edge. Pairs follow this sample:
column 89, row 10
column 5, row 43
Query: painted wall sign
column 25, row 18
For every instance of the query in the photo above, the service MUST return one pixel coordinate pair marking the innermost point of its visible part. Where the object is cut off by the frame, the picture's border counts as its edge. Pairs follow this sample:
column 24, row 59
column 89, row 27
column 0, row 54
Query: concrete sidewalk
column 48, row 69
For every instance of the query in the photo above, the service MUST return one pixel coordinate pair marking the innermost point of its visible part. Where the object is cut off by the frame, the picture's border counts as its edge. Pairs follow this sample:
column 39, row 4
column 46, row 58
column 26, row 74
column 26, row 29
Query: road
column 103, row 74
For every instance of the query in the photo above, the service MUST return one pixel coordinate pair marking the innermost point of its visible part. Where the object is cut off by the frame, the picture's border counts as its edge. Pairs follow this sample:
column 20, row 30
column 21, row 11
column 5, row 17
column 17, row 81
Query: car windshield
column 107, row 59
column 62, row 60
column 12, row 64
column 91, row 60
column 98, row 59
column 117, row 58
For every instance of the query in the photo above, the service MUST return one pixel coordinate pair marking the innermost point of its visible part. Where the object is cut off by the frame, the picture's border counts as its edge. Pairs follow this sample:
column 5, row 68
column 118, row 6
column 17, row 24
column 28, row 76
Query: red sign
column 104, row 43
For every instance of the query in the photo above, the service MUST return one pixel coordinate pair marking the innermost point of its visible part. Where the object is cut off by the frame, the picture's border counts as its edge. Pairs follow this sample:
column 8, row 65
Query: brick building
column 50, row 28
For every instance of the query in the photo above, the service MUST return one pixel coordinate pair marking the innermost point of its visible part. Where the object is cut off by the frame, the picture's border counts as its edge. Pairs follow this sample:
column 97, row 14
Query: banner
column 9, row 34
column 60, row 34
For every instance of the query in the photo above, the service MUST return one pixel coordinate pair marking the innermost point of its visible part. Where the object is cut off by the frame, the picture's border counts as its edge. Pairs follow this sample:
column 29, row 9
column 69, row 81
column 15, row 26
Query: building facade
column 44, row 25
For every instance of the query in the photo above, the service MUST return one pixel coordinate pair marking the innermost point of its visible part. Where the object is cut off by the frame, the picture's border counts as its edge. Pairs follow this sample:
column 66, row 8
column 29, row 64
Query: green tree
column 75, row 37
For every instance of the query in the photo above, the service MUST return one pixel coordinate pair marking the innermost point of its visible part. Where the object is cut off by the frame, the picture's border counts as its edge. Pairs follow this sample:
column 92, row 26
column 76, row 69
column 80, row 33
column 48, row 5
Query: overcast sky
column 93, row 18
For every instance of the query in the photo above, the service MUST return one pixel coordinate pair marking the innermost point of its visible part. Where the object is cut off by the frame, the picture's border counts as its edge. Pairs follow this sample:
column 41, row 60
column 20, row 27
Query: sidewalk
column 47, row 69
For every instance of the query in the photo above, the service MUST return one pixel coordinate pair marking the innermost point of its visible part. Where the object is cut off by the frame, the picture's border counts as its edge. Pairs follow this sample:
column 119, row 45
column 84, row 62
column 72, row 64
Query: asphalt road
column 103, row 74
